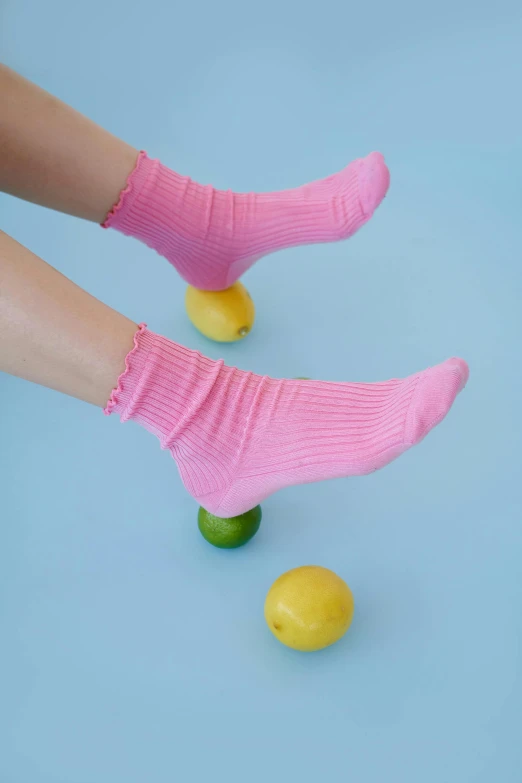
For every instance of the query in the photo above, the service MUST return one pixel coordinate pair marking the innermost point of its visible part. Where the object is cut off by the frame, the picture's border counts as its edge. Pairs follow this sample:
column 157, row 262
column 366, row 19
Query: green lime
column 229, row 533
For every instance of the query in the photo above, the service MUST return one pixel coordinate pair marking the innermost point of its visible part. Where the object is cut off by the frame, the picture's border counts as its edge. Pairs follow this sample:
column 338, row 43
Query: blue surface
column 131, row 651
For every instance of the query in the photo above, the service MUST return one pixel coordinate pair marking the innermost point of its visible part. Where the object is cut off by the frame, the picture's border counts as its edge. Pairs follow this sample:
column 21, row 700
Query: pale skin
column 54, row 156
column 54, row 333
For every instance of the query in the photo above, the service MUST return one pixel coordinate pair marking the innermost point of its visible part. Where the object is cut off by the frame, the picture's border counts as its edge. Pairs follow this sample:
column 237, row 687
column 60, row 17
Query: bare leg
column 54, row 156
column 55, row 334
column 236, row 437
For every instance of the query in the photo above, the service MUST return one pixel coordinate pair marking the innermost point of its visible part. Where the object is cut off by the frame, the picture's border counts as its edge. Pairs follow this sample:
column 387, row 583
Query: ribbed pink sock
column 213, row 236
column 238, row 437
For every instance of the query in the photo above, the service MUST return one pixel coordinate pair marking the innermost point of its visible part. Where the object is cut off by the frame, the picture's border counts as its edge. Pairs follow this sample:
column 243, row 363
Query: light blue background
column 131, row 651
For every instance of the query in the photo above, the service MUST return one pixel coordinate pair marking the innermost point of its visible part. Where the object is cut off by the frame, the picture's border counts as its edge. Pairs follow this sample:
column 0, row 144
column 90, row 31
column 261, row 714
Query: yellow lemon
column 223, row 316
column 309, row 608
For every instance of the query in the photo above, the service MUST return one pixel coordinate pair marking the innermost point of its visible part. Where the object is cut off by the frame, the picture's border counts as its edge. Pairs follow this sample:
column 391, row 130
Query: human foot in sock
column 238, row 437
column 213, row 236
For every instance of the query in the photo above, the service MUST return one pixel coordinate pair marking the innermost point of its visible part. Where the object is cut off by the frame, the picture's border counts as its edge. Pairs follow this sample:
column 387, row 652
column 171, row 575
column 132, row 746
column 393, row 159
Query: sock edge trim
column 124, row 193
column 113, row 399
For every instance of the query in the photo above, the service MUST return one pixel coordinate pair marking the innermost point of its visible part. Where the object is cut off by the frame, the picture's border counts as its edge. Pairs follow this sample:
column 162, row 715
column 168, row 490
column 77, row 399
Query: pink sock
column 213, row 236
column 238, row 437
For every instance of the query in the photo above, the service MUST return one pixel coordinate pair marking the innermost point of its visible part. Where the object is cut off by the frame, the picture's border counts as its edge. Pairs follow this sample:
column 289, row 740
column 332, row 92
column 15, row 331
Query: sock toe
column 461, row 367
column 434, row 396
column 374, row 181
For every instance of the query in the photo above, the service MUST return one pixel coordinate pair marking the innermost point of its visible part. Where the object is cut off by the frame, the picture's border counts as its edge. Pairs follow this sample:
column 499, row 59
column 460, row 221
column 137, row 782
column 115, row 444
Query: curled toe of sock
column 434, row 396
column 374, row 181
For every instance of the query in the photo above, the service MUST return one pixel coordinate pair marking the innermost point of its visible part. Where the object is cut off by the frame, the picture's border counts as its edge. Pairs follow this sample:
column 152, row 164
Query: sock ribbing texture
column 238, row 437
